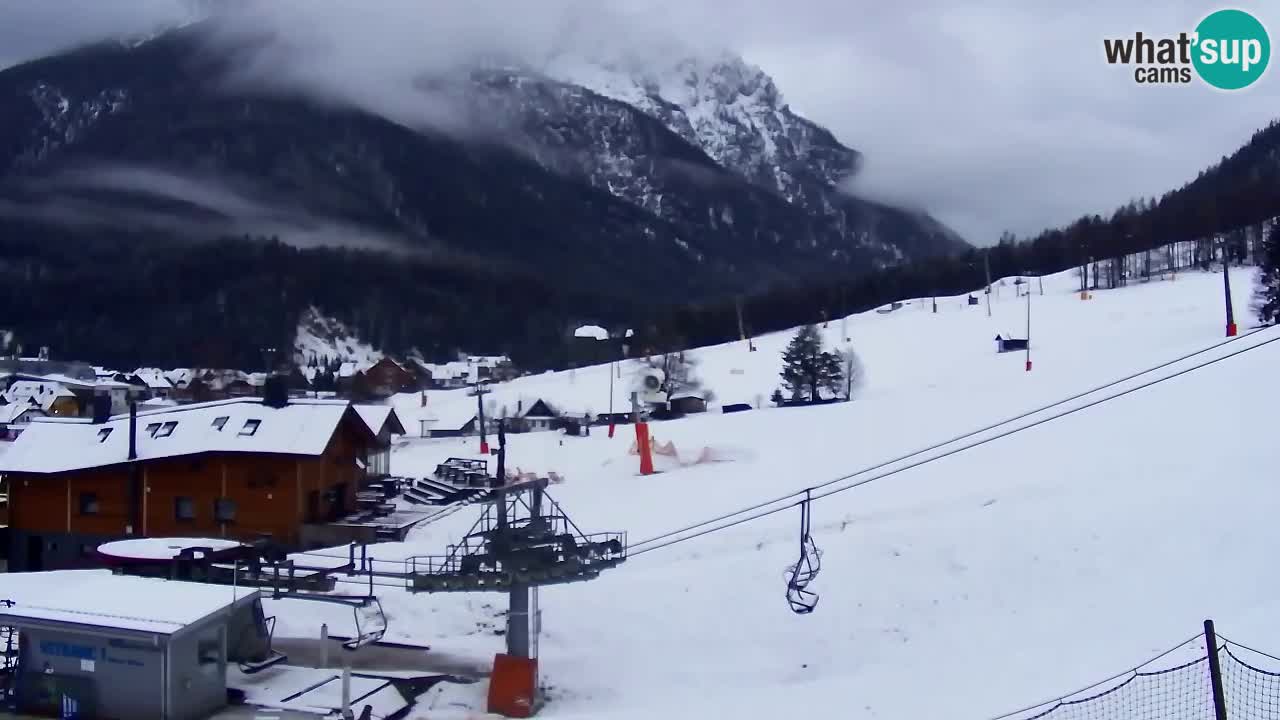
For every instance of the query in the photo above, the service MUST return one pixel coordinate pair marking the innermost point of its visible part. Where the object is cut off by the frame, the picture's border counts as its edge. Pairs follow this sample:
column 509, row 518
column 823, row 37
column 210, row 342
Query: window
column 103, row 434
column 166, row 429
column 219, row 422
column 88, row 503
column 152, row 428
column 250, row 427
column 224, row 510
column 184, row 508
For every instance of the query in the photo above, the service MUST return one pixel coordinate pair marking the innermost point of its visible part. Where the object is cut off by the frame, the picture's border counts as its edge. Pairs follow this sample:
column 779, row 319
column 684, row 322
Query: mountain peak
column 726, row 106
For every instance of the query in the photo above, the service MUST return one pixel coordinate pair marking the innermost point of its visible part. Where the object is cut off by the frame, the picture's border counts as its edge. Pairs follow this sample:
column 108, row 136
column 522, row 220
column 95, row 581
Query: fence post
column 1215, row 671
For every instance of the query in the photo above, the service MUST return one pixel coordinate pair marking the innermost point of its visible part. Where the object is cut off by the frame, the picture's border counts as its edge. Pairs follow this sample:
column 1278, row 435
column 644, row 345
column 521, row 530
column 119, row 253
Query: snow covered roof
column 376, row 416
column 350, row 368
column 11, row 412
column 303, row 427
column 181, row 377
column 450, row 416
column 454, row 369
column 37, row 392
column 68, row 381
column 161, row 548
column 153, row 378
column 100, row 599
column 593, row 332
column 528, row 404
column 158, row 402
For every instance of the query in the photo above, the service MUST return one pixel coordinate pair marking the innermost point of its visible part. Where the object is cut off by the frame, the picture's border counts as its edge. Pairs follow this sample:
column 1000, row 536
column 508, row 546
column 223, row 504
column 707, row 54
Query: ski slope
column 966, row 587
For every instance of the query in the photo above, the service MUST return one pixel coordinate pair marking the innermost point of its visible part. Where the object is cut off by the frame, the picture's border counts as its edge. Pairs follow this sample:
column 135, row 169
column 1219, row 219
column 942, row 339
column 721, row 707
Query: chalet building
column 384, row 424
column 245, row 469
column 421, row 374
column 52, row 397
column 157, row 385
column 536, row 416
column 451, row 376
column 382, row 380
column 14, row 418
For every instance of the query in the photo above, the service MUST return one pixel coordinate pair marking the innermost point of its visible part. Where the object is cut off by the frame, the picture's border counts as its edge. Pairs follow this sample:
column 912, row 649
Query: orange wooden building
column 243, row 469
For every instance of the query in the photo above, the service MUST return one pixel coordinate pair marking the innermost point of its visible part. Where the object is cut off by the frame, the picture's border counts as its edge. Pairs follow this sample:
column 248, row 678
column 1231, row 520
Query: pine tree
column 806, row 365
column 1267, row 296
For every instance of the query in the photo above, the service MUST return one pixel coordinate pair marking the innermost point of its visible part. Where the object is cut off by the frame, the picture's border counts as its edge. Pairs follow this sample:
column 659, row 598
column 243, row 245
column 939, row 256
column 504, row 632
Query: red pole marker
column 1028, row 366
column 1231, row 329
column 484, row 447
column 642, row 445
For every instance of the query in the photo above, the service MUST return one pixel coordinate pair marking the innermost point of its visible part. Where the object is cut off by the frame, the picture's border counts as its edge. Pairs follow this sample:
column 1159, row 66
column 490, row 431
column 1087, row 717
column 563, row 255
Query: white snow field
column 967, row 587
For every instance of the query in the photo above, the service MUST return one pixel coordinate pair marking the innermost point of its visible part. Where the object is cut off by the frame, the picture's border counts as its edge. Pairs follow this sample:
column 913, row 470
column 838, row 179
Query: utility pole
column 844, row 317
column 737, row 306
column 986, row 266
column 611, row 400
column 1028, row 328
column 484, row 441
column 848, row 373
column 1226, row 289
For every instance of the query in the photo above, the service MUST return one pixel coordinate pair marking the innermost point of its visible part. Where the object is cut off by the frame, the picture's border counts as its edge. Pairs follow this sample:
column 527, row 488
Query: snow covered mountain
column 730, row 109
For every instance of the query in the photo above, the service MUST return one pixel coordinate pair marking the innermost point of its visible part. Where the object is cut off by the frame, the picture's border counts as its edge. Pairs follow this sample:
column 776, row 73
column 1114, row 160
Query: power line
column 663, row 541
column 936, row 446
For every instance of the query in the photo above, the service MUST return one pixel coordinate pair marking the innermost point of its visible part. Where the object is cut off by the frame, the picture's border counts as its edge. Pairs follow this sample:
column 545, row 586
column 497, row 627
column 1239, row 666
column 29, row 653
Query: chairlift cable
column 936, row 446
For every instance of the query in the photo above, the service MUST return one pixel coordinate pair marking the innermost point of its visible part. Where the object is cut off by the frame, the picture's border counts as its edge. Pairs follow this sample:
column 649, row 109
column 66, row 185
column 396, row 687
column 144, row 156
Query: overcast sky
column 990, row 114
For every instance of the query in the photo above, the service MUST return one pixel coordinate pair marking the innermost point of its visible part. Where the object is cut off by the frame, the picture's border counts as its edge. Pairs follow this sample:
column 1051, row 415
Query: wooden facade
column 241, row 496
column 382, row 380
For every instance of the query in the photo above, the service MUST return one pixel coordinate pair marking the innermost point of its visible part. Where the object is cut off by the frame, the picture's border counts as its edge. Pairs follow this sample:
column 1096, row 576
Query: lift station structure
column 522, row 541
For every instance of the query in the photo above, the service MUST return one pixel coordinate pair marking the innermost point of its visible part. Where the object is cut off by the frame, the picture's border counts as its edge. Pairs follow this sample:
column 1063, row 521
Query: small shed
column 686, row 402
column 1004, row 344
column 94, row 644
column 453, row 420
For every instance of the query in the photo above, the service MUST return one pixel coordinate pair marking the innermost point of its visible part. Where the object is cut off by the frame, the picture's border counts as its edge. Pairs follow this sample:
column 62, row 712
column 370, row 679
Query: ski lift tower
column 522, row 541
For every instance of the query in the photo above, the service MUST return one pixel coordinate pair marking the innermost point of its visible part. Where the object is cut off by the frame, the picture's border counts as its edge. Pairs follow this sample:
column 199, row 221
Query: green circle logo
column 1232, row 49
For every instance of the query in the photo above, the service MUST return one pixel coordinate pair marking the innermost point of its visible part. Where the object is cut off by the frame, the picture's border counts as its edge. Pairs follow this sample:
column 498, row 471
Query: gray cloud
column 992, row 115
column 187, row 204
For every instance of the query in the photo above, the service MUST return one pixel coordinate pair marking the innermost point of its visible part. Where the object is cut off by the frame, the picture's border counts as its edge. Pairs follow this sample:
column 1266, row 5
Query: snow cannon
column 648, row 387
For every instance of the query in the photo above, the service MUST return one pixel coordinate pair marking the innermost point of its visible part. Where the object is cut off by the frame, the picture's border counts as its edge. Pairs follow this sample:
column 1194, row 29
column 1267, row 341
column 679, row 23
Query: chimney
column 274, row 392
column 133, row 430
column 101, row 408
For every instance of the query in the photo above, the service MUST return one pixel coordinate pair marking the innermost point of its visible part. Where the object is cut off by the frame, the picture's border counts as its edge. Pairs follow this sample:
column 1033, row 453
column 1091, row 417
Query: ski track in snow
column 1000, row 576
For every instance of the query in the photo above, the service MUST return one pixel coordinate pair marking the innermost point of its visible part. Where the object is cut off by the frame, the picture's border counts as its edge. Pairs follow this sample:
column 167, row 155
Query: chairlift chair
column 371, row 624
column 802, row 600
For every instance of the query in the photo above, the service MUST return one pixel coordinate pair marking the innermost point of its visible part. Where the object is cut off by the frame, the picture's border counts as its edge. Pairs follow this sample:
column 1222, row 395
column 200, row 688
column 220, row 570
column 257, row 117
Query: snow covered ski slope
column 1030, row 564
